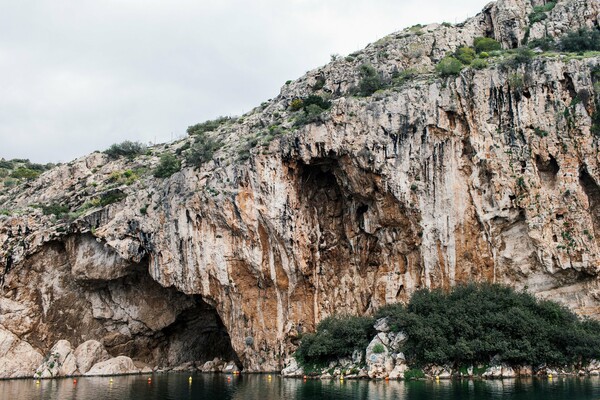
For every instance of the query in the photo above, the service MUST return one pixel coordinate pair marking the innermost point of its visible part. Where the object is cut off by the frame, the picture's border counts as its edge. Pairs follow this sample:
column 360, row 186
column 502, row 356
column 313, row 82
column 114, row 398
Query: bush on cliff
column 581, row 40
column 125, row 149
column 449, row 66
column 336, row 337
column 473, row 323
column 168, row 165
column 370, row 81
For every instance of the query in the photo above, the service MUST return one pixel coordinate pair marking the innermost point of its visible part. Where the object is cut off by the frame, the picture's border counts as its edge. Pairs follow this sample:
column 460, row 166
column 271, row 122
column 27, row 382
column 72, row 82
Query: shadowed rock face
column 436, row 182
column 79, row 289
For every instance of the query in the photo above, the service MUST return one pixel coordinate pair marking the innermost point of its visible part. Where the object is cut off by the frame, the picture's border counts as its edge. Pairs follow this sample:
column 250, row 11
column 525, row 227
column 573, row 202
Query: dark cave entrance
column 197, row 335
column 118, row 303
column 193, row 332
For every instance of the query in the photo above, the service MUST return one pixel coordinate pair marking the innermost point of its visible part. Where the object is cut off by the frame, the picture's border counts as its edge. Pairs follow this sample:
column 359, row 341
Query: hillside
column 385, row 171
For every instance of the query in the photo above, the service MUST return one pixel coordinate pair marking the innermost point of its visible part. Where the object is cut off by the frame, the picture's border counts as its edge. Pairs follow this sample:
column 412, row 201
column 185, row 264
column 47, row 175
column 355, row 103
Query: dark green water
column 176, row 386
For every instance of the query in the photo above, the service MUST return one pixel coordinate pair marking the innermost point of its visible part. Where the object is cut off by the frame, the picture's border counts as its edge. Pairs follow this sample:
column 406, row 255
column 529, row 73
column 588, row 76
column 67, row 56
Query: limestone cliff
column 431, row 182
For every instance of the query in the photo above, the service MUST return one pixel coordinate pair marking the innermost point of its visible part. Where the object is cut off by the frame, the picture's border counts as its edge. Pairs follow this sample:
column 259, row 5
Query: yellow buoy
column 549, row 376
column 111, row 380
column 37, row 382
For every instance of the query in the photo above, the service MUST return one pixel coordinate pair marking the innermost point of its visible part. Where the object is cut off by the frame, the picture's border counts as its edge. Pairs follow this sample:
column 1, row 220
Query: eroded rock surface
column 431, row 183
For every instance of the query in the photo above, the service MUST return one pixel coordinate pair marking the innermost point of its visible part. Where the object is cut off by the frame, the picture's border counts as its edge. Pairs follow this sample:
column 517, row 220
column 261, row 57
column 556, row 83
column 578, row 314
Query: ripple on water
column 178, row 386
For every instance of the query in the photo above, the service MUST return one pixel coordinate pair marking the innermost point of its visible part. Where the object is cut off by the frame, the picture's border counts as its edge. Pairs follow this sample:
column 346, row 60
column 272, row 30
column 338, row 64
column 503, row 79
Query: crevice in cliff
column 592, row 191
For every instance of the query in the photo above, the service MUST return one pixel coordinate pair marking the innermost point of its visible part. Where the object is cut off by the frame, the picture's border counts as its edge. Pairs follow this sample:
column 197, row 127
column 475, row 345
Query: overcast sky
column 79, row 75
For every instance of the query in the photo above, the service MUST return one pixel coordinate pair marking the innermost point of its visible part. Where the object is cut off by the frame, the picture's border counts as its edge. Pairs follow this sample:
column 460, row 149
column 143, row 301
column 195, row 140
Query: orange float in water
column 74, row 380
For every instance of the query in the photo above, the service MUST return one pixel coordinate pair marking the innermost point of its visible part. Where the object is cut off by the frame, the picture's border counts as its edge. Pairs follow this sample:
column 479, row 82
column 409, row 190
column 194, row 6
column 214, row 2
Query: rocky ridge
column 425, row 184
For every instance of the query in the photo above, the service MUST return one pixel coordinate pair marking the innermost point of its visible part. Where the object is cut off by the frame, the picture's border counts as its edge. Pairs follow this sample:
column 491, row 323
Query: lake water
column 176, row 386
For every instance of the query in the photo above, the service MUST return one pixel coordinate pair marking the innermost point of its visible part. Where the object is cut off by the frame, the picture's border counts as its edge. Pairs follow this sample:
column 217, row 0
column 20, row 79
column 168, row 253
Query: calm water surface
column 176, row 386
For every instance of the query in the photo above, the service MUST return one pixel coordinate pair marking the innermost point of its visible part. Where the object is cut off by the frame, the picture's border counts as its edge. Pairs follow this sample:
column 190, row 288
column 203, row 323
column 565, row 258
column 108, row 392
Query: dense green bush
column 110, row 198
column 336, row 337
column 539, row 12
column 25, row 173
column 449, row 66
column 486, row 44
column 207, row 126
column 370, row 81
column 168, row 165
column 522, row 56
column 465, row 55
column 580, row 40
column 59, row 210
column 479, row 63
column 474, row 323
column 546, row 43
column 125, row 149
column 202, row 150
column 313, row 107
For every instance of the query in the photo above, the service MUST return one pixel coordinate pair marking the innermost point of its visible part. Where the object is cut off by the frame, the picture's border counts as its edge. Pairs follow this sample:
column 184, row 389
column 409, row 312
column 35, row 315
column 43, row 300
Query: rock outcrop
column 120, row 365
column 492, row 175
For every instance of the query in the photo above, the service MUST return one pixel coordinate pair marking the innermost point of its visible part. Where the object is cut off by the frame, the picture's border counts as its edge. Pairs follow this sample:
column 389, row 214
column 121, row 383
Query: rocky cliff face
column 490, row 175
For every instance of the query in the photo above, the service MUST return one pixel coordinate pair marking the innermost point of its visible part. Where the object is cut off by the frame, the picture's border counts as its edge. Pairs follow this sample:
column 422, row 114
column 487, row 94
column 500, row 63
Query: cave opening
column 118, row 303
column 197, row 335
column 165, row 327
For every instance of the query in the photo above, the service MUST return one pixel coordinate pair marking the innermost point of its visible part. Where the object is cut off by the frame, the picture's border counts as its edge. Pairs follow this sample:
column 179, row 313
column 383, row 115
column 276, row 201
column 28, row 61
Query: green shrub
column 400, row 77
column 486, row 44
column 479, row 63
column 25, row 173
column 546, row 43
column 109, row 198
column 378, row 348
column 296, row 105
column 473, row 323
column 207, row 126
column 370, row 81
column 516, row 81
column 168, row 165
column 202, row 150
column 580, row 40
column 335, row 337
column 449, row 66
column 125, row 149
column 313, row 107
column 549, row 6
column 59, row 210
column 6, row 164
column 312, row 113
column 484, row 54
column 414, row 373
column 537, row 17
column 465, row 55
column 522, row 56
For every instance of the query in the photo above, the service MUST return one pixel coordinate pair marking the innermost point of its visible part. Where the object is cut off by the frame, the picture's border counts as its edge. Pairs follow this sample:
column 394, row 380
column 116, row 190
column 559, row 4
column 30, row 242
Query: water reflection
column 231, row 387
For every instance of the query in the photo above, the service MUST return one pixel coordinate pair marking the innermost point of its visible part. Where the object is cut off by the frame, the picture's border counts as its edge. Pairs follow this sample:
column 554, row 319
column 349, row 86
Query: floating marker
column 74, row 381
column 111, row 380
column 549, row 376
column 37, row 382
column 437, row 377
